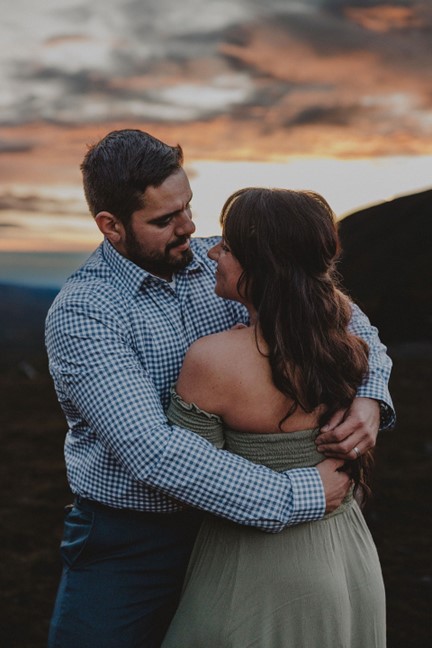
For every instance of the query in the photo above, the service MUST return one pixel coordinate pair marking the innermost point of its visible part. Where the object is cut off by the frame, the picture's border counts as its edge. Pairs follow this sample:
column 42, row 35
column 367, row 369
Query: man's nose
column 184, row 223
column 214, row 252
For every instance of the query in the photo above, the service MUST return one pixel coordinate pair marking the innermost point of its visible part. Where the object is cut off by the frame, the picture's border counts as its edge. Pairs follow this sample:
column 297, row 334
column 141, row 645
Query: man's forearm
column 380, row 364
column 222, row 483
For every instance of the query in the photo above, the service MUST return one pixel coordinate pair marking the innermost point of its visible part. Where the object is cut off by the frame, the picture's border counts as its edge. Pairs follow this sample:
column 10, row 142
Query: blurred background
column 329, row 95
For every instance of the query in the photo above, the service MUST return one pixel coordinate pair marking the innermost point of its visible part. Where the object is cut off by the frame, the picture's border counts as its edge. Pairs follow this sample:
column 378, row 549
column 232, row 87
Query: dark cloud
column 318, row 115
column 326, row 33
column 10, row 225
column 32, row 203
column 81, row 82
column 15, row 146
column 21, row 203
column 340, row 5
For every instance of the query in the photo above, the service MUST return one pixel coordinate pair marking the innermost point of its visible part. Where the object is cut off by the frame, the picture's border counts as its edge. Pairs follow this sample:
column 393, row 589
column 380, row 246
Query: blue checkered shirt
column 116, row 337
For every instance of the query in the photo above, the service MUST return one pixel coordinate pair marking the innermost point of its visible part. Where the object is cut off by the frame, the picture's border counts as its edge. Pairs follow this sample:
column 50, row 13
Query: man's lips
column 180, row 246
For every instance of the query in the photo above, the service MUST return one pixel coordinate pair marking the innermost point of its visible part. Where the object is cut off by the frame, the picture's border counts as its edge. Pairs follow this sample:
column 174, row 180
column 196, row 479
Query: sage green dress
column 315, row 585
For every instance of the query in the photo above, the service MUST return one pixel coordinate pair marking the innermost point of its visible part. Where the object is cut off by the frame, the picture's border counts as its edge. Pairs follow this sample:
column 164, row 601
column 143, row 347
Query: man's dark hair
column 118, row 169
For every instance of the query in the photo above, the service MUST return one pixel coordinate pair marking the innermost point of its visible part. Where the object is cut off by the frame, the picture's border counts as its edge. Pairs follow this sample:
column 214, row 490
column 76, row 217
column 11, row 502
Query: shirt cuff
column 308, row 498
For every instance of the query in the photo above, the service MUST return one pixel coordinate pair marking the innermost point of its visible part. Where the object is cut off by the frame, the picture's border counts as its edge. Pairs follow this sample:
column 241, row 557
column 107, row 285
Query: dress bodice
column 280, row 452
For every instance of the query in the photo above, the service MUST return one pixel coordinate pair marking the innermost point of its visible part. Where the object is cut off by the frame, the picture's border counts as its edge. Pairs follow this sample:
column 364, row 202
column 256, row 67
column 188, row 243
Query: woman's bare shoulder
column 208, row 367
column 219, row 342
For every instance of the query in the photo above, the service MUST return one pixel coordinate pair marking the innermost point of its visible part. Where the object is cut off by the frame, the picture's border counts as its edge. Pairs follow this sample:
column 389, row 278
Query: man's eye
column 163, row 222
column 225, row 248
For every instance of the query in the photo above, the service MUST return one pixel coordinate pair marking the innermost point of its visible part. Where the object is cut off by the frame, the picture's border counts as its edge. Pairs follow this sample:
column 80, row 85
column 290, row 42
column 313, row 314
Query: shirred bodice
column 280, row 452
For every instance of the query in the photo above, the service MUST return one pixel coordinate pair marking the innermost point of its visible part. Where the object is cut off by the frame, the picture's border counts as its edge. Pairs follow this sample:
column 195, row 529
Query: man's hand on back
column 356, row 427
column 336, row 484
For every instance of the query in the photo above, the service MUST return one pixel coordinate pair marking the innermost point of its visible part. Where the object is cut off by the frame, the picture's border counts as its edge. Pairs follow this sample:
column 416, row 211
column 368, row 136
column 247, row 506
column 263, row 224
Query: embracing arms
column 119, row 439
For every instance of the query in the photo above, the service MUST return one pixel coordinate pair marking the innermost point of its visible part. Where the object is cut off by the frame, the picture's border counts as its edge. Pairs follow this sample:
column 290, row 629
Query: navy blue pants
column 122, row 576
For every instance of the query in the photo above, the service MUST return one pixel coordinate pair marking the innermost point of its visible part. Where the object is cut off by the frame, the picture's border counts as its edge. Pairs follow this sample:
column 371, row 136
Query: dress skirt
column 314, row 585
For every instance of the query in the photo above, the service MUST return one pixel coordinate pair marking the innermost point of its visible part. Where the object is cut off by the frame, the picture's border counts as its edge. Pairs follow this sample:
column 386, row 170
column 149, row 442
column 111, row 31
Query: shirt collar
column 134, row 277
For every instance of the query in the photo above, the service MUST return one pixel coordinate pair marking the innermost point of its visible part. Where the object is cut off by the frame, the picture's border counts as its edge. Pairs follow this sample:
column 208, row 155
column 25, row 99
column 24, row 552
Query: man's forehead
column 175, row 185
column 171, row 196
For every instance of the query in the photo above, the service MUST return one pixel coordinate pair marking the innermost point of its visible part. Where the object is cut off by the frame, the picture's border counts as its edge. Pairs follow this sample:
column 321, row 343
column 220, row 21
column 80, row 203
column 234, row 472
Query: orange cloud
column 384, row 18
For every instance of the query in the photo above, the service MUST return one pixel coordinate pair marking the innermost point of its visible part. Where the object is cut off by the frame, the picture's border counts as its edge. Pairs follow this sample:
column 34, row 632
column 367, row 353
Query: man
column 116, row 337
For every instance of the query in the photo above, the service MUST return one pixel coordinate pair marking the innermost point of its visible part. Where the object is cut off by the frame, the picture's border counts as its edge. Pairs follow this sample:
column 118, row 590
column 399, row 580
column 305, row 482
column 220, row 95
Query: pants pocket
column 77, row 529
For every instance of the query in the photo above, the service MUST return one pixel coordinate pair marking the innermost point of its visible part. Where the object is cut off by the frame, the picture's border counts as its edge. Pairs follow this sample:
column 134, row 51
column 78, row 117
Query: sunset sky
column 334, row 96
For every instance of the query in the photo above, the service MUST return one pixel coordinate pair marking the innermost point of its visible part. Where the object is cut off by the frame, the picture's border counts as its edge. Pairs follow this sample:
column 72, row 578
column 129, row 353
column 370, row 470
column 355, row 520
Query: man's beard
column 159, row 264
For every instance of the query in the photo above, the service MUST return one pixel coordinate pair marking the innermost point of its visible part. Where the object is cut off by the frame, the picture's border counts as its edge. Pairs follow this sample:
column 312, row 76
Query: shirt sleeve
column 98, row 373
column 380, row 365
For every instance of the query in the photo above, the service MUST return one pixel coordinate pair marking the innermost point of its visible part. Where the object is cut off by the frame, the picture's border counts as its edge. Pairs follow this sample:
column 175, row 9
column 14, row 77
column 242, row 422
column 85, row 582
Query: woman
column 263, row 392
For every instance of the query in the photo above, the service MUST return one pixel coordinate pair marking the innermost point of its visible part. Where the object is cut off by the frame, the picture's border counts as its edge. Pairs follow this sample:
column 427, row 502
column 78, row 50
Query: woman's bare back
column 227, row 375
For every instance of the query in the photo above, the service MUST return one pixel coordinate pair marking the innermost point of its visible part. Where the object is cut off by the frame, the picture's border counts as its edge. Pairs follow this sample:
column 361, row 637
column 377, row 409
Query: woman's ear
column 111, row 227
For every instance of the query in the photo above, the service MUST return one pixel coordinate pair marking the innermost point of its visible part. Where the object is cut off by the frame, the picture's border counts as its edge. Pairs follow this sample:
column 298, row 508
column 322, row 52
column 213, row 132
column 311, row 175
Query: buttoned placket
column 183, row 287
column 167, row 301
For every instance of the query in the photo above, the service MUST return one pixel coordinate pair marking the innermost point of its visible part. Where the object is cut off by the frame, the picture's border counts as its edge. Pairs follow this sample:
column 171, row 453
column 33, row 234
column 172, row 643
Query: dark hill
column 387, row 268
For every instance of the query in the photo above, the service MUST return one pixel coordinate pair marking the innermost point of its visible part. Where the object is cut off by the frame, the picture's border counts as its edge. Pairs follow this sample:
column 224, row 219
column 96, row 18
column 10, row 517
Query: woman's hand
column 350, row 433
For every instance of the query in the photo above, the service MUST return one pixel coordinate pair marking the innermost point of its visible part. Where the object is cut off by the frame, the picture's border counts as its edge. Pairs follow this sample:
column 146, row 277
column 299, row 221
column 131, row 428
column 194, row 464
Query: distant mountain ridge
column 387, row 268
column 22, row 318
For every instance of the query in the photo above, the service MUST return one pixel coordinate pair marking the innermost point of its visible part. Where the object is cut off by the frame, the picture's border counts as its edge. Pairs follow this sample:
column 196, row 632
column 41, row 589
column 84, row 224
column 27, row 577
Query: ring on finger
column 357, row 452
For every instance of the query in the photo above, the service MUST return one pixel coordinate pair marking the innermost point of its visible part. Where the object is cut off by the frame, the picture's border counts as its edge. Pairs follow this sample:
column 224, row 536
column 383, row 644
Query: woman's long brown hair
column 287, row 244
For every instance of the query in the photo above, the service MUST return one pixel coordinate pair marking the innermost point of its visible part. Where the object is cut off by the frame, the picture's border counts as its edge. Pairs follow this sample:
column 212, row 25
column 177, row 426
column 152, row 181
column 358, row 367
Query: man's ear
column 111, row 227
